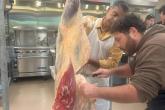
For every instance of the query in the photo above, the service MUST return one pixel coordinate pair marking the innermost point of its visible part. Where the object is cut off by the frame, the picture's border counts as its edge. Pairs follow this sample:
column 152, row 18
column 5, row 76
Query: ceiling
column 48, row 12
column 55, row 7
column 93, row 7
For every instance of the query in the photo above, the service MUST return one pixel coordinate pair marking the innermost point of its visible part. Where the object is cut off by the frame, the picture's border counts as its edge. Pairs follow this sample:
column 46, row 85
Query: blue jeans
column 158, row 103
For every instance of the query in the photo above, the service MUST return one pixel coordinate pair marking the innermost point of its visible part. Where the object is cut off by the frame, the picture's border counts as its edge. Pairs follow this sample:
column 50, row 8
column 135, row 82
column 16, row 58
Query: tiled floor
column 135, row 106
column 37, row 94
column 31, row 94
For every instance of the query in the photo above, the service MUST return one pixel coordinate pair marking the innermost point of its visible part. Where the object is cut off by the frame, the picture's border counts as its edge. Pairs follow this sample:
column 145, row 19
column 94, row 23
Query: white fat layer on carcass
column 70, row 40
column 72, row 47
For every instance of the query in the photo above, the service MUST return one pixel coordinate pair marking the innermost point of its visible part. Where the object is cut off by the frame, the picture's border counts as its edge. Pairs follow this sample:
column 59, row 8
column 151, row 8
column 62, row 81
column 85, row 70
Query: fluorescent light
column 15, row 2
column 97, row 7
column 38, row 3
column 8, row 6
column 149, row 9
column 86, row 6
column 59, row 5
column 63, row 5
column 41, row 28
column 15, row 27
column 107, row 7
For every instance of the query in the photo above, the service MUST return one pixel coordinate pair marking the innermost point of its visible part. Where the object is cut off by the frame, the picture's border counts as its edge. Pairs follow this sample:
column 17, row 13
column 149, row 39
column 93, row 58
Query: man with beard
column 162, row 15
column 146, row 69
column 104, row 53
column 149, row 21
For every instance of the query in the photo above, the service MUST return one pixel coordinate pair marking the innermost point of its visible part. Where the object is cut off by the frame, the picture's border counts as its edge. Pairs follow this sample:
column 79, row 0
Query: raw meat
column 72, row 52
column 66, row 91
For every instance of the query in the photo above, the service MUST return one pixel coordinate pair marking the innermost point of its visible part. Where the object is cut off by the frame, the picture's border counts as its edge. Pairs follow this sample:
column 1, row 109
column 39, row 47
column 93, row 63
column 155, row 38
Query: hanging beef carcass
column 72, row 52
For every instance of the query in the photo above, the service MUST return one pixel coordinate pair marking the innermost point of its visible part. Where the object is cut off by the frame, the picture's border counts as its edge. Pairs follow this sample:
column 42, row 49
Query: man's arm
column 120, row 94
column 88, row 23
column 123, row 70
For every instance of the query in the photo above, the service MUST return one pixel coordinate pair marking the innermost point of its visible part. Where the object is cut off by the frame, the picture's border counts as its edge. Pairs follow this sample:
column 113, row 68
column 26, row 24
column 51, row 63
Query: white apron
column 99, row 50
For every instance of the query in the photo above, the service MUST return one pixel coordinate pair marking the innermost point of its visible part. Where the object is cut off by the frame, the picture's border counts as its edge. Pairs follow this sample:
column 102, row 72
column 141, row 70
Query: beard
column 130, row 47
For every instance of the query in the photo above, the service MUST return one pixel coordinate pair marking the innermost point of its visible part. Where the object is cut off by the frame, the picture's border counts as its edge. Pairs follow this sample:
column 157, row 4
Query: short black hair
column 148, row 17
column 121, row 4
column 124, row 23
column 162, row 9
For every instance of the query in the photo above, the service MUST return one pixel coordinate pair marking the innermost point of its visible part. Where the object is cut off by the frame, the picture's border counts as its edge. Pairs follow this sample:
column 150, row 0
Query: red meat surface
column 66, row 92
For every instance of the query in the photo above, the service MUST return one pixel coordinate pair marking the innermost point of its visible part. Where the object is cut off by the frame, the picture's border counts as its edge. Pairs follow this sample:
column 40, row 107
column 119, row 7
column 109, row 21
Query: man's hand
column 88, row 90
column 102, row 73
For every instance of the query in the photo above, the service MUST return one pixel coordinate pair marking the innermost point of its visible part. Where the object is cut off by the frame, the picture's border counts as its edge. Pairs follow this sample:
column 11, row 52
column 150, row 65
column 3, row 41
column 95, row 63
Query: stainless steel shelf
column 1, row 90
column 32, row 48
column 4, row 85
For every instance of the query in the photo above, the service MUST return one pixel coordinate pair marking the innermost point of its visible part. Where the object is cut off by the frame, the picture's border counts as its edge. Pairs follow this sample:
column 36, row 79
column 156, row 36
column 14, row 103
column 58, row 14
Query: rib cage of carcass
column 72, row 52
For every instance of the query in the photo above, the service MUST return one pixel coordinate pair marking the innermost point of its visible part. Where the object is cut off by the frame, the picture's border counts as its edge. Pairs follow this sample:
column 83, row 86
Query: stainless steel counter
column 32, row 61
